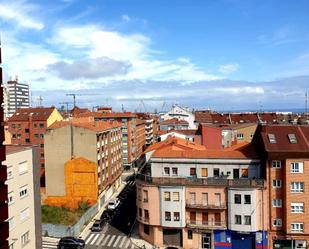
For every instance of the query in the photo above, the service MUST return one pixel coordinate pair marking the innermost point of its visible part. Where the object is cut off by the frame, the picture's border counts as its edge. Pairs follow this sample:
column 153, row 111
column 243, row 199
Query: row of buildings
column 247, row 195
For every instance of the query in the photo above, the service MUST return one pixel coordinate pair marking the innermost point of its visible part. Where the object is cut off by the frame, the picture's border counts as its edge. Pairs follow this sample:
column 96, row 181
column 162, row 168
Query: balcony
column 211, row 181
column 195, row 205
column 206, row 224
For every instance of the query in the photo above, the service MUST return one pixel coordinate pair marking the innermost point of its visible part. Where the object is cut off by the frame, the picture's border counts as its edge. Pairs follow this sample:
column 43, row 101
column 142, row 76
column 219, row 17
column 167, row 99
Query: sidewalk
column 137, row 241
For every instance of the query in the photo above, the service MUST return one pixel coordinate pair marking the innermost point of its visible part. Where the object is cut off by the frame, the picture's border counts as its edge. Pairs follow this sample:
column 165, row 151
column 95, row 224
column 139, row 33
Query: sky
column 149, row 54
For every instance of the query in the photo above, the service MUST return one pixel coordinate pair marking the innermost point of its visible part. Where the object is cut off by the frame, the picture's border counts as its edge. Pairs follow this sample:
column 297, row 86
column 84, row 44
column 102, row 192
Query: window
column 175, row 171
column 13, row 126
column 140, row 213
column 292, row 138
column 277, row 203
column 10, row 197
column 36, row 135
column 240, row 136
column 176, row 216
column 276, row 164
column 41, row 125
column 247, row 199
column 297, row 207
column 146, row 214
column 18, row 136
column 175, row 196
column 24, row 215
column 247, row 220
column 23, row 167
column 237, row 199
column 297, row 187
column 238, row 219
column 25, row 238
column 205, row 198
column 192, row 197
column 216, row 172
column 26, row 130
column 297, row 167
column 244, row 173
column 168, row 216
column 277, row 222
column 27, row 140
column 297, row 227
column 35, row 125
column 146, row 229
column 23, row 191
column 190, row 234
column 167, row 196
column 145, row 194
column 42, row 145
column 9, row 172
column 13, row 136
column 42, row 165
column 204, row 172
column 192, row 171
column 276, row 183
column 272, row 138
column 11, row 222
column 41, row 135
column 166, row 171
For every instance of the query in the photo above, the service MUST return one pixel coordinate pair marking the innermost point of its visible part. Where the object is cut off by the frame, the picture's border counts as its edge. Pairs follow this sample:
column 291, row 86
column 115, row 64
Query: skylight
column 272, row 138
column 292, row 138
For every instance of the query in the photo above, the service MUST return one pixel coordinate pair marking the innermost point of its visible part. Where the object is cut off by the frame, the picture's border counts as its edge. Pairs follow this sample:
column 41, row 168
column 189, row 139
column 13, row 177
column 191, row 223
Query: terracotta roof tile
column 174, row 121
column 96, row 126
column 108, row 115
column 37, row 114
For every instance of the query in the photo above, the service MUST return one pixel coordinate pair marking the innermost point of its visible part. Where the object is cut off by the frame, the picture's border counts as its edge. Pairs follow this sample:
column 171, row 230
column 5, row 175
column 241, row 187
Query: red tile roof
column 96, row 126
column 10, row 149
column 77, row 111
column 173, row 121
column 108, row 115
column 188, row 132
column 37, row 114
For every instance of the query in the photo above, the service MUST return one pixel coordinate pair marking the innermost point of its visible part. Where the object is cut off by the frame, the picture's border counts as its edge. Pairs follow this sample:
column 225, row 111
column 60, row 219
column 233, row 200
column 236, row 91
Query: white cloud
column 20, row 12
column 228, row 68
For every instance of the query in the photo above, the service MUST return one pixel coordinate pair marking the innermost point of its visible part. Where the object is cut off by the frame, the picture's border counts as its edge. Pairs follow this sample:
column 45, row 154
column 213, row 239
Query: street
column 115, row 234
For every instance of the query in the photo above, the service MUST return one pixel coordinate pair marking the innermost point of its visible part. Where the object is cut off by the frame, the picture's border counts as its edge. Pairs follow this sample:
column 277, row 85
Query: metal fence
column 59, row 231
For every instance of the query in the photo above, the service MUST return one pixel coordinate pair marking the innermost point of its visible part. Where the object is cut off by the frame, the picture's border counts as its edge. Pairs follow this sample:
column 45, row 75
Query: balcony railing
column 206, row 224
column 205, row 205
column 214, row 181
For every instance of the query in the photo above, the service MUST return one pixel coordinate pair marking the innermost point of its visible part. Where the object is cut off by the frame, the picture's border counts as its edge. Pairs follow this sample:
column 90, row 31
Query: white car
column 113, row 204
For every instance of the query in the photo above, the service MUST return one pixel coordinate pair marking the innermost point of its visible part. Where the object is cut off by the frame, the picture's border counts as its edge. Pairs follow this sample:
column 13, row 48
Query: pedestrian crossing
column 49, row 244
column 109, row 240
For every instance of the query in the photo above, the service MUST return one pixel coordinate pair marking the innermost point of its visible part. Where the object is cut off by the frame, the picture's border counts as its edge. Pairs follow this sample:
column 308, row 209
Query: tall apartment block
column 191, row 197
column 24, row 199
column 4, row 226
column 16, row 96
column 285, row 153
column 99, row 143
column 28, row 126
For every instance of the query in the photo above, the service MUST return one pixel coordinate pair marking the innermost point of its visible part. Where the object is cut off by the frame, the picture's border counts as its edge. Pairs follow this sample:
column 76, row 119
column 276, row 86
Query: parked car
column 71, row 242
column 113, row 204
column 107, row 215
column 97, row 226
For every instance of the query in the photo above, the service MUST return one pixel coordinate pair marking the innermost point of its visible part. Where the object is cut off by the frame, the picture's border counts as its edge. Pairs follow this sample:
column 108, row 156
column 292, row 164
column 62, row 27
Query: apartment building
column 190, row 135
column 99, row 142
column 149, row 124
column 191, row 197
column 23, row 197
column 4, row 226
column 285, row 152
column 140, row 141
column 173, row 124
column 16, row 96
column 129, row 135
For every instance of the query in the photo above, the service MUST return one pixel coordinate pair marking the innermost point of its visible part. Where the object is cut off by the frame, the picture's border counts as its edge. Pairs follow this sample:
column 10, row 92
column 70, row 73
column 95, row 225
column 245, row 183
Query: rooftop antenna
column 122, row 108
column 40, row 100
column 74, row 97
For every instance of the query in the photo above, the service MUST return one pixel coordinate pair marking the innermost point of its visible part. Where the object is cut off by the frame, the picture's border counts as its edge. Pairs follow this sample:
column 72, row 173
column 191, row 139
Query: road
column 115, row 234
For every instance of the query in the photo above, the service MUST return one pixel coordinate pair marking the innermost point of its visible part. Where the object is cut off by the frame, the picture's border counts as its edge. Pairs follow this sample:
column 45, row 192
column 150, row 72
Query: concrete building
column 97, row 141
column 4, row 226
column 285, row 152
column 191, row 197
column 149, row 125
column 140, row 141
column 180, row 113
column 28, row 127
column 16, row 96
column 23, row 197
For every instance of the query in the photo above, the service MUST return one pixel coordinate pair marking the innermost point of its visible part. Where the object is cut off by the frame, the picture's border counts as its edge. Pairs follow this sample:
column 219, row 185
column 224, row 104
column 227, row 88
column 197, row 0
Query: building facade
column 180, row 113
column 98, row 141
column 24, row 199
column 191, row 197
column 17, row 95
column 285, row 153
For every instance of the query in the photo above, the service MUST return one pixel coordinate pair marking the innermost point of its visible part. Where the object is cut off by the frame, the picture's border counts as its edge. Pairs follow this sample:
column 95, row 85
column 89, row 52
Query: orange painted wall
column 81, row 184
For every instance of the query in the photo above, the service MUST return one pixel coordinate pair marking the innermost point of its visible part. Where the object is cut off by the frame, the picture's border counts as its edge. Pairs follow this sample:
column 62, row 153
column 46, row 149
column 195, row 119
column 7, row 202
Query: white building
column 181, row 113
column 16, row 95
column 24, row 199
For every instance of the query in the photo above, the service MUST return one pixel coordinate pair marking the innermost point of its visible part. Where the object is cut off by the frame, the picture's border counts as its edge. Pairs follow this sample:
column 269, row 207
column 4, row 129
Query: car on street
column 71, row 242
column 107, row 215
column 113, row 204
column 97, row 226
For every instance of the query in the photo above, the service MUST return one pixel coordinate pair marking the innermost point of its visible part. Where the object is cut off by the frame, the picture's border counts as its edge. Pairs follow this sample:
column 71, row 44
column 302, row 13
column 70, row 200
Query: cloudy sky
column 222, row 54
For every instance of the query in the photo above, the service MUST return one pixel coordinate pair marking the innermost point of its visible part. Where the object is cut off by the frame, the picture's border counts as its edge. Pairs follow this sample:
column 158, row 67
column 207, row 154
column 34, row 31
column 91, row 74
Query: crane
column 74, row 97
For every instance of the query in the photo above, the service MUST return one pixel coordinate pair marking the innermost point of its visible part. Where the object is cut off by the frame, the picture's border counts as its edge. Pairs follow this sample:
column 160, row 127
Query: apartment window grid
column 276, row 183
column 11, row 222
column 297, row 207
column 240, row 136
column 167, row 216
column 237, row 199
column 23, row 192
column 277, row 222
column 25, row 238
column 167, row 171
column 247, row 220
column 9, row 172
column 24, row 214
column 175, row 171
column 277, row 203
column 297, row 167
column 297, row 227
column 276, row 164
column 297, row 187
column 145, row 194
column 176, row 216
column 175, row 196
column 10, row 198
column 247, row 199
column 238, row 219
column 167, row 196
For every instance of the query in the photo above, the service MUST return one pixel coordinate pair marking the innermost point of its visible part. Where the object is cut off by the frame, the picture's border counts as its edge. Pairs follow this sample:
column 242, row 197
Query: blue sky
column 223, row 54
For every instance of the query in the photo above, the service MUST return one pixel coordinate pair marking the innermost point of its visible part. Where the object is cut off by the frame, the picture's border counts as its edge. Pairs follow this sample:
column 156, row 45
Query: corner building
column 191, row 197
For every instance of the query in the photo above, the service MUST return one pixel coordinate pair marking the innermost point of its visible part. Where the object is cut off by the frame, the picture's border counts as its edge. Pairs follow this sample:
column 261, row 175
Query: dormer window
column 272, row 138
column 292, row 138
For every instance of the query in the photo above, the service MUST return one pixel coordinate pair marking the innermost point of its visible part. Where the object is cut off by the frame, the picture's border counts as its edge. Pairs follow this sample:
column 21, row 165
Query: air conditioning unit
column 300, row 244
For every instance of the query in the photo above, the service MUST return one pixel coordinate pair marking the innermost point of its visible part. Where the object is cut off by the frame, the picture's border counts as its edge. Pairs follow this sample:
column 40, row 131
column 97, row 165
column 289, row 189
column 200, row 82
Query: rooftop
column 37, row 114
column 96, row 126
column 10, row 149
column 174, row 121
